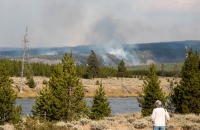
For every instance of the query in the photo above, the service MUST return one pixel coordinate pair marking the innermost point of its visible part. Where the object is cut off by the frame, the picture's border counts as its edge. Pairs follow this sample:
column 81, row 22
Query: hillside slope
column 109, row 55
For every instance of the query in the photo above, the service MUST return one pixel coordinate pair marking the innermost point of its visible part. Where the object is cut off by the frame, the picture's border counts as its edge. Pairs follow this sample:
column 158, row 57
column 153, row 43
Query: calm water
column 118, row 105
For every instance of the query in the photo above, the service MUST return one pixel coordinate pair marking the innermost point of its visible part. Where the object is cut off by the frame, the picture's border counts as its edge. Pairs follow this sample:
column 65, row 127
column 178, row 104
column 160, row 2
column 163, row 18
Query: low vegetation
column 131, row 121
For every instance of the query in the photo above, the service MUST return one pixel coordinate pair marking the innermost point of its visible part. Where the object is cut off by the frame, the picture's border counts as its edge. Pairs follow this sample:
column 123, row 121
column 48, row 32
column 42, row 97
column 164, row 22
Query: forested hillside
column 109, row 55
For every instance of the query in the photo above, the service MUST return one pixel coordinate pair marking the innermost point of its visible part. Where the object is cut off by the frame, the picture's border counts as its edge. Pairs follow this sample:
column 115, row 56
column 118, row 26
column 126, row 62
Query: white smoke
column 108, row 38
column 51, row 53
column 106, row 60
column 130, row 59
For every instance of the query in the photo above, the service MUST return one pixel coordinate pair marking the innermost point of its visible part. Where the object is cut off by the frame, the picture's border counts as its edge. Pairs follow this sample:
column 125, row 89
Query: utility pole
column 25, row 42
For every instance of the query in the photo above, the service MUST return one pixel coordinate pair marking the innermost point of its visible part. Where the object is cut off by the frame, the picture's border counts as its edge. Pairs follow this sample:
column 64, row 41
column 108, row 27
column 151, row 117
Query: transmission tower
column 24, row 59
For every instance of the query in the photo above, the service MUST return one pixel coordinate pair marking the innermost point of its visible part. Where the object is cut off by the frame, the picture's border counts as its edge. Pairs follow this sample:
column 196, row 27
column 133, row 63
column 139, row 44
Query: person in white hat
column 159, row 116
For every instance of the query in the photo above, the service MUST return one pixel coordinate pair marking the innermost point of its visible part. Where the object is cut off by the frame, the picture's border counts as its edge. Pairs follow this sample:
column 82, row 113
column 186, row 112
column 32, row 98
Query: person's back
column 159, row 116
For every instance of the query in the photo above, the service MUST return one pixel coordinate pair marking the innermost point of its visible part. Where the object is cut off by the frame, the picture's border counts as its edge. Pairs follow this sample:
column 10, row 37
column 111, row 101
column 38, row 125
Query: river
column 118, row 105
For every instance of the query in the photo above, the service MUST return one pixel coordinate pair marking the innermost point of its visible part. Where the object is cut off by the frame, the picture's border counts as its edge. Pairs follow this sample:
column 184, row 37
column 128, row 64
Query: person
column 159, row 116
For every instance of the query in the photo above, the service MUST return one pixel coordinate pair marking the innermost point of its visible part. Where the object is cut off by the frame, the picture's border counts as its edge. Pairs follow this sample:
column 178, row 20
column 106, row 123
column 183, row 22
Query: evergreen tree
column 9, row 112
column 162, row 69
column 43, row 107
column 186, row 95
column 30, row 81
column 66, row 98
column 121, row 69
column 176, row 71
column 151, row 92
column 29, row 76
column 49, row 102
column 57, row 87
column 76, row 106
column 16, row 68
column 100, row 105
column 93, row 66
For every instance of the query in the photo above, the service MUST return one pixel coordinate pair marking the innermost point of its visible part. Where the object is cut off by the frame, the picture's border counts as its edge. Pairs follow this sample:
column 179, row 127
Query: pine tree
column 162, row 69
column 29, row 76
column 100, row 105
column 9, row 112
column 186, row 95
column 93, row 66
column 67, row 97
column 151, row 92
column 48, row 104
column 77, row 106
column 121, row 69
column 176, row 71
column 43, row 105
column 30, row 81
column 57, row 87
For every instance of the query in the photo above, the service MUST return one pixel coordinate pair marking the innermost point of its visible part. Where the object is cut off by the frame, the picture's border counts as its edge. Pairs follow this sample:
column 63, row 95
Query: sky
column 58, row 23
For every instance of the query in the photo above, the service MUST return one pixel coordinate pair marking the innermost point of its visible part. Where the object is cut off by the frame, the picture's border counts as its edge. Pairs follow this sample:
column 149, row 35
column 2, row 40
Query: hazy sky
column 57, row 23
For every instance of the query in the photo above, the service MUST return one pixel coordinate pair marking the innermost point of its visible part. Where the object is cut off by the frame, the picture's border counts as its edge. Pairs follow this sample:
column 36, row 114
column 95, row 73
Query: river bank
column 87, row 95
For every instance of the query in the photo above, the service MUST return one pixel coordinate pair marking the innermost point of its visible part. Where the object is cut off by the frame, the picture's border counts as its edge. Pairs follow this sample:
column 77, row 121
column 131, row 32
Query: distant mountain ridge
column 110, row 54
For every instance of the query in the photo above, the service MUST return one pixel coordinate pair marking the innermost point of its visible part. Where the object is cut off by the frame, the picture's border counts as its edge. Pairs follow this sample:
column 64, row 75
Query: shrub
column 35, row 124
column 141, row 77
column 97, row 82
column 45, row 82
column 100, row 125
column 11, row 81
column 191, row 126
column 69, row 125
column 84, row 121
column 131, row 119
column 30, row 82
column 76, row 127
column 140, row 125
column 170, row 127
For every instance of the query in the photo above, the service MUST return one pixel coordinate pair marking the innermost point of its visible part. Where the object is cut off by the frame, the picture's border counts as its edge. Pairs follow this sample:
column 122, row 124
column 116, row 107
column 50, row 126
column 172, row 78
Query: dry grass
column 131, row 121
column 134, row 121
column 112, row 86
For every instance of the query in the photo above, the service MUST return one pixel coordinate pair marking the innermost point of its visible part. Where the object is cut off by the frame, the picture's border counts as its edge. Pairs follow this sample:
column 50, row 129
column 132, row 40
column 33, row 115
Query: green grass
column 167, row 66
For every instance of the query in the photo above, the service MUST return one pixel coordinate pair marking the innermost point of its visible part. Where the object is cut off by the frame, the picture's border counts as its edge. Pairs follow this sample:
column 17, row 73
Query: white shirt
column 159, row 116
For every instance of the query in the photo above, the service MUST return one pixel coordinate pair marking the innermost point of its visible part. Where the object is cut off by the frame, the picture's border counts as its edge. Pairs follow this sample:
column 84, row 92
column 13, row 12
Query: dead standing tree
column 186, row 52
column 24, row 58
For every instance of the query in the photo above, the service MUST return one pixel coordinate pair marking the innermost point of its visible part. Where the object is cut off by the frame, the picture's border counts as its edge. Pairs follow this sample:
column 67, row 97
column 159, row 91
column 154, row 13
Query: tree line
column 14, row 68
